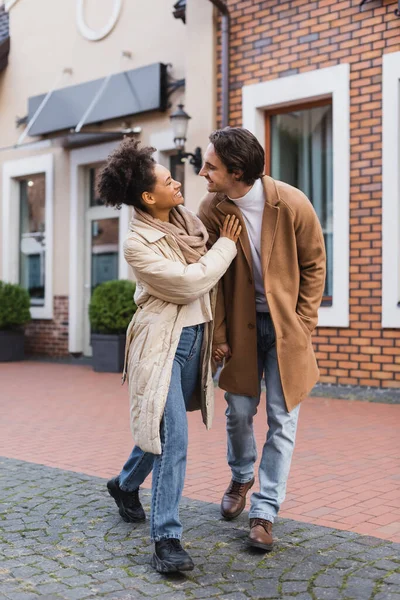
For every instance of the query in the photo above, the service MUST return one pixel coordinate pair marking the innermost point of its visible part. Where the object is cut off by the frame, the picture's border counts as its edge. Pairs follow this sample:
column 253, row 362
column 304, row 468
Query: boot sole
column 230, row 517
column 129, row 519
column 266, row 547
column 163, row 566
column 121, row 511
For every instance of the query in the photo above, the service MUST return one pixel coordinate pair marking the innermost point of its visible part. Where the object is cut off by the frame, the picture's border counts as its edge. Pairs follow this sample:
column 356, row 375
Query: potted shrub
column 110, row 311
column 14, row 314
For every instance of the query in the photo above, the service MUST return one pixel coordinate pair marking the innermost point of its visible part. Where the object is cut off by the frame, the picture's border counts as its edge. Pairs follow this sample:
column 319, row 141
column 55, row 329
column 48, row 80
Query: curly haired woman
column 168, row 348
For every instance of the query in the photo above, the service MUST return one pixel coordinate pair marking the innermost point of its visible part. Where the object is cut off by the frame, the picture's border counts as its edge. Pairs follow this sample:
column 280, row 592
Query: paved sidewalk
column 62, row 538
column 346, row 466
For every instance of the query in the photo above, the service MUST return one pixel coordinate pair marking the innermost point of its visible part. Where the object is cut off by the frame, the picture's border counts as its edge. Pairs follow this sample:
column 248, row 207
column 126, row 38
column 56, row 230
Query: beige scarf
column 187, row 229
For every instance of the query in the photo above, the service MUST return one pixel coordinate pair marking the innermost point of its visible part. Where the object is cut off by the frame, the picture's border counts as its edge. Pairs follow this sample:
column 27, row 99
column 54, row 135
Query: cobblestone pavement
column 61, row 537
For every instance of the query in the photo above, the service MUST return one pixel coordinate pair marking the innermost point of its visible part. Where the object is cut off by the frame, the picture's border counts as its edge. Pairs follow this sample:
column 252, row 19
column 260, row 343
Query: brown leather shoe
column 234, row 499
column 261, row 534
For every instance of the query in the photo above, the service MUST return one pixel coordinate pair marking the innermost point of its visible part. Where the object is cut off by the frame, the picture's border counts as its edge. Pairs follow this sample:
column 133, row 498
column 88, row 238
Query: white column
column 200, row 93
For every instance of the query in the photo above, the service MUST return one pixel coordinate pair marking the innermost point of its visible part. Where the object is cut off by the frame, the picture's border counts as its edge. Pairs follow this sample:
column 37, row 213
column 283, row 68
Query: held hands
column 231, row 228
column 221, row 351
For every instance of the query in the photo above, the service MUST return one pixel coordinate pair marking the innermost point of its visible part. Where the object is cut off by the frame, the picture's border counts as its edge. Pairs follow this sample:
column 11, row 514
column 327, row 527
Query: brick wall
column 275, row 39
column 44, row 337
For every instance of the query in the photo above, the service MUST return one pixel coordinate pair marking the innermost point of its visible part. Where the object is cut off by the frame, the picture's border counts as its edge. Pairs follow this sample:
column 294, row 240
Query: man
column 266, row 310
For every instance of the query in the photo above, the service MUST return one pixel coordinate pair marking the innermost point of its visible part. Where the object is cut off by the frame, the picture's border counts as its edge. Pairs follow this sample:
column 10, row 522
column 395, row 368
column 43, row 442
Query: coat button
column 250, row 325
column 250, row 281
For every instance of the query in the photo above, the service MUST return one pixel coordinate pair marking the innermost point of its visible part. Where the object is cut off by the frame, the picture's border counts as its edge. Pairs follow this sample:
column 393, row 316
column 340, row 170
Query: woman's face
column 166, row 193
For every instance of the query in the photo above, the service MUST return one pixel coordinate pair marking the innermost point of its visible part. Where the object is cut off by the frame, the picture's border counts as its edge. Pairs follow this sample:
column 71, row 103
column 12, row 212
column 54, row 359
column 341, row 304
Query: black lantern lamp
column 179, row 122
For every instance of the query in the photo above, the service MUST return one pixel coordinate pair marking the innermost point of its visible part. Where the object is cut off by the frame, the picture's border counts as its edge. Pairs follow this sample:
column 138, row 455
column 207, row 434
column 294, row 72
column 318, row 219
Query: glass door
column 102, row 248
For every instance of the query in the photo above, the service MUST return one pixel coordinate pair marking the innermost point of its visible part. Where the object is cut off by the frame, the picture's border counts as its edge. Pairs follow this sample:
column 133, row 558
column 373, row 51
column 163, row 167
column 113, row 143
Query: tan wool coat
column 165, row 285
column 294, row 264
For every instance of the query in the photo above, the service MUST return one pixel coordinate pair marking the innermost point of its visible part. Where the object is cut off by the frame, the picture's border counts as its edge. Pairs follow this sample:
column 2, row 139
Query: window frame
column 81, row 159
column 391, row 191
column 173, row 166
column 13, row 170
column 331, row 84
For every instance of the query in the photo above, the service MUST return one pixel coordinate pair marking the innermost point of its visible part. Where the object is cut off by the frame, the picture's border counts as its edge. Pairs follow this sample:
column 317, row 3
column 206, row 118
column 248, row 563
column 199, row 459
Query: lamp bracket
column 174, row 85
column 196, row 159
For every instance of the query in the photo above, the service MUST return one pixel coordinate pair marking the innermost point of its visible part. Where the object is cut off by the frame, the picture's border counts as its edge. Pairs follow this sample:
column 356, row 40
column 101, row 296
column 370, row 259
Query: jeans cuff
column 242, row 479
column 125, row 486
column 259, row 515
column 158, row 538
column 128, row 491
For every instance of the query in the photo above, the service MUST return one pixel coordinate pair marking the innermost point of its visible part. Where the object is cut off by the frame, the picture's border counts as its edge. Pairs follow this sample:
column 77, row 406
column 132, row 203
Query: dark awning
column 126, row 93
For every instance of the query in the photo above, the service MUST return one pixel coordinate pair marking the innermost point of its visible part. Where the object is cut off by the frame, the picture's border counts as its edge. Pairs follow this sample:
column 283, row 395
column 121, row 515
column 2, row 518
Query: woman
column 168, row 348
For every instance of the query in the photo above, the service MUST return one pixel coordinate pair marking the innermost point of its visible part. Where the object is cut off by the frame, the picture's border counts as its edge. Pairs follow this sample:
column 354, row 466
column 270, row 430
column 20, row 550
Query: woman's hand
column 221, row 351
column 231, row 228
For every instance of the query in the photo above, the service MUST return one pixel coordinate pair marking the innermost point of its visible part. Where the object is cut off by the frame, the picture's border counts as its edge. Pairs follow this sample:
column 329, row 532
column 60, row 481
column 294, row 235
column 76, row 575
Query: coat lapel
column 268, row 232
column 269, row 222
column 226, row 207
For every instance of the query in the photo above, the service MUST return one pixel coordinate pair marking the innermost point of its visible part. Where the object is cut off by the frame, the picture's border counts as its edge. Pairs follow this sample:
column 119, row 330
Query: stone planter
column 12, row 345
column 108, row 352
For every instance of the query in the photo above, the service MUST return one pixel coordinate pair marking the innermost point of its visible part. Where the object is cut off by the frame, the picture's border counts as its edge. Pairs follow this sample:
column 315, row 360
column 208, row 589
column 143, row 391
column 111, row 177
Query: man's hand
column 221, row 351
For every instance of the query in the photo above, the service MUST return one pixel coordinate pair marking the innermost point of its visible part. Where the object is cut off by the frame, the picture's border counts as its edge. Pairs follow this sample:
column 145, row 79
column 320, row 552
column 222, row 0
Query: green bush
column 14, row 306
column 112, row 307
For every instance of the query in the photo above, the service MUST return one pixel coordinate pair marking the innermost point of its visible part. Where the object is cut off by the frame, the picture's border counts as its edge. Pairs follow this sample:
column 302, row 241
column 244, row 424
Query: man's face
column 215, row 172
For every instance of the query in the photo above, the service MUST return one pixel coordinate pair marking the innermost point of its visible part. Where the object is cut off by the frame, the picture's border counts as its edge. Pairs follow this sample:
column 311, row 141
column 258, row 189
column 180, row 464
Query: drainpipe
column 224, row 11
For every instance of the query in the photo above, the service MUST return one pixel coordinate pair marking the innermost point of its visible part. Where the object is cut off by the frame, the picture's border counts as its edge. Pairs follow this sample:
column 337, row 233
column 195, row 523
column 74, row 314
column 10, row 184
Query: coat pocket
column 306, row 322
column 138, row 344
column 303, row 333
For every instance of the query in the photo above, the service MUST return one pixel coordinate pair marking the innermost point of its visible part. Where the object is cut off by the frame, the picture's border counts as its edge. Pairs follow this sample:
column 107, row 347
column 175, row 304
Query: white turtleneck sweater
column 252, row 208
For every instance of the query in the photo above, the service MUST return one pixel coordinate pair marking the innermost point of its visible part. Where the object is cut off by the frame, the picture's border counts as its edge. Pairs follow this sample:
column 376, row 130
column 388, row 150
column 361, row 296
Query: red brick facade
column 44, row 337
column 276, row 39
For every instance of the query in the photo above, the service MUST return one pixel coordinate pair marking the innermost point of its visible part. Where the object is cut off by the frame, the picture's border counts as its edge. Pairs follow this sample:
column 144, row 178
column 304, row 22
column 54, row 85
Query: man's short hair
column 239, row 150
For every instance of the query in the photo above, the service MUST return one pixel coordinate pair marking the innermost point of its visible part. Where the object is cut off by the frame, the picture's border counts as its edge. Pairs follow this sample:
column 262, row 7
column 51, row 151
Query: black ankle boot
column 170, row 557
column 128, row 503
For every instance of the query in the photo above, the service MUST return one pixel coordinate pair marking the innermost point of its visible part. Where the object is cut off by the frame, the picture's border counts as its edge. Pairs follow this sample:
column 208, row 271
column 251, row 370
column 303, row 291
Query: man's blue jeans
column 169, row 467
column 278, row 448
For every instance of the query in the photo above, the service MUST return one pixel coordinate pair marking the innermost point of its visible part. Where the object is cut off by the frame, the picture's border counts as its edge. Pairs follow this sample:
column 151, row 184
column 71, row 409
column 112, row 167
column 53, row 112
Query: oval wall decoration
column 91, row 34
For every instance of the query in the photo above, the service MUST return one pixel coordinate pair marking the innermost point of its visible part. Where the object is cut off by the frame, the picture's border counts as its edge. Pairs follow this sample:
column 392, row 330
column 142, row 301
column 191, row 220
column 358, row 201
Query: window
column 177, row 168
column 299, row 152
column 94, row 199
column 307, row 117
column 28, row 229
column 32, row 237
column 104, row 236
column 391, row 191
column 102, row 244
column 104, row 250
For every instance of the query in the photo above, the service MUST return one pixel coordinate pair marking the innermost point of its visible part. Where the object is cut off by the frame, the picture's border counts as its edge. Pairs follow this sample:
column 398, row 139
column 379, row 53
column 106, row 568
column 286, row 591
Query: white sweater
column 252, row 208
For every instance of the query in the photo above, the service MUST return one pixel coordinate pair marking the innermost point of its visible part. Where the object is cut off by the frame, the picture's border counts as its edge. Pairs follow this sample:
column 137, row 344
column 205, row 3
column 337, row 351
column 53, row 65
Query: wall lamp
column 180, row 121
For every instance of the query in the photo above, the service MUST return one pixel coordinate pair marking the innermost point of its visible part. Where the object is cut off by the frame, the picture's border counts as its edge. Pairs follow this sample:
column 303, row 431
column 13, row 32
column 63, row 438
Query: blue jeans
column 169, row 467
column 278, row 448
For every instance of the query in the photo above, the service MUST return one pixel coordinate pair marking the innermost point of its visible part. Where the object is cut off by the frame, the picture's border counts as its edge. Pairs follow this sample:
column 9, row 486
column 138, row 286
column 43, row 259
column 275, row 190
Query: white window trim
column 12, row 170
column 79, row 160
column 391, row 190
column 331, row 82
column 163, row 141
